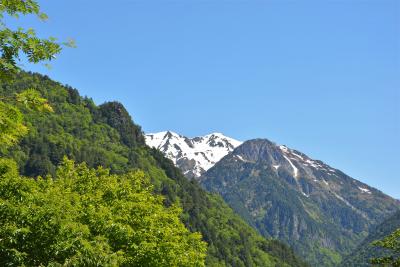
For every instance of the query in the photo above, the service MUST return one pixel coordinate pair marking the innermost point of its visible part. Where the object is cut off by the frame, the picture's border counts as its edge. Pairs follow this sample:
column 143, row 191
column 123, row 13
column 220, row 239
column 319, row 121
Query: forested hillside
column 106, row 136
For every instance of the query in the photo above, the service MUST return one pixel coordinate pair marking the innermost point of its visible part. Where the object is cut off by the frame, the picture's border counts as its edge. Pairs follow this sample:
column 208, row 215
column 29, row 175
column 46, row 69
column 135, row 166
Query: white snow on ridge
column 204, row 150
column 297, row 155
column 283, row 148
column 364, row 190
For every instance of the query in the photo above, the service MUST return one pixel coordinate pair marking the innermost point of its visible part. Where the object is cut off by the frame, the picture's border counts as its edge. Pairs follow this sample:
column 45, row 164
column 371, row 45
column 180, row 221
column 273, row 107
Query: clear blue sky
column 319, row 76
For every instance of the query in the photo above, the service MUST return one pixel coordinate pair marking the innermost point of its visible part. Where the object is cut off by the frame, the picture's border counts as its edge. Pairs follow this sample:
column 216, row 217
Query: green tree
column 88, row 217
column 392, row 244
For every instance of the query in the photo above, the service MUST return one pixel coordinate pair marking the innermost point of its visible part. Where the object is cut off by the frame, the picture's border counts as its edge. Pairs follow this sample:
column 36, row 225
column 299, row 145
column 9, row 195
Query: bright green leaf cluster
column 11, row 126
column 32, row 99
column 88, row 217
column 15, row 7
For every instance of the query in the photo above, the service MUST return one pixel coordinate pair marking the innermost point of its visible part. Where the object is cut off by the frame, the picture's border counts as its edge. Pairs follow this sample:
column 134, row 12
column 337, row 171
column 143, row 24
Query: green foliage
column 32, row 99
column 391, row 243
column 16, row 7
column 8, row 167
column 87, row 217
column 13, row 43
column 11, row 125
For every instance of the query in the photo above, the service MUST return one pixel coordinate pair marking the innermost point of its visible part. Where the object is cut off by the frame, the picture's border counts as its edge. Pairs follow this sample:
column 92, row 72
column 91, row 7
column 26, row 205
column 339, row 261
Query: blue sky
column 322, row 77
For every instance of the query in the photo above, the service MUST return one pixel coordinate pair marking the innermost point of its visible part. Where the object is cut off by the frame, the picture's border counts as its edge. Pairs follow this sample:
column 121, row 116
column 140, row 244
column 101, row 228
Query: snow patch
column 304, row 194
column 284, row 148
column 240, row 157
column 297, row 155
column 364, row 190
column 295, row 170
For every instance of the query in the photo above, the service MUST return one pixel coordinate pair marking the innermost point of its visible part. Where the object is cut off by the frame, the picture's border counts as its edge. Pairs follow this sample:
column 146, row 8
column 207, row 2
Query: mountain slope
column 105, row 135
column 319, row 210
column 365, row 251
column 195, row 155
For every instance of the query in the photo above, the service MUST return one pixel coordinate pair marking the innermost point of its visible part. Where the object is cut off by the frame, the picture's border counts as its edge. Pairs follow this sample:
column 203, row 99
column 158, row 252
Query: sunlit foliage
column 87, row 217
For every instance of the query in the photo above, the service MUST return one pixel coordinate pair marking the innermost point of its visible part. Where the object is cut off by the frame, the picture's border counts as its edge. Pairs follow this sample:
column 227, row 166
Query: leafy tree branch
column 15, row 43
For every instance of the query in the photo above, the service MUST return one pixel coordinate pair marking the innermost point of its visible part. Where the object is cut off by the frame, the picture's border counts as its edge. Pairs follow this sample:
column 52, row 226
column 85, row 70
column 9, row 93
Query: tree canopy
column 88, row 217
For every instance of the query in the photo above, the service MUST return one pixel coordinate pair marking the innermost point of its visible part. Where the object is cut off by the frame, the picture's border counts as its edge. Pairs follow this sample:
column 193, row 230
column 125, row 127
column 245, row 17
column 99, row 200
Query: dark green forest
column 106, row 136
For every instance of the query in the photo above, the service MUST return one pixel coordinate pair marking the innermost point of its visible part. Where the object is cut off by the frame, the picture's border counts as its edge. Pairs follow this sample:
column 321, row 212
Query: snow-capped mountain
column 195, row 155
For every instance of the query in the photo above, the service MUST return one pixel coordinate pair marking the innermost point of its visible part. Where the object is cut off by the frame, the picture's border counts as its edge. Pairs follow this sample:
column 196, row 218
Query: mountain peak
column 194, row 155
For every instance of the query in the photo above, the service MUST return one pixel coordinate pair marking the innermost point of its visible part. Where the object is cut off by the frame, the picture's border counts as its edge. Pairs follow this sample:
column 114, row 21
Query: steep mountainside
column 319, row 210
column 365, row 251
column 105, row 135
column 195, row 155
